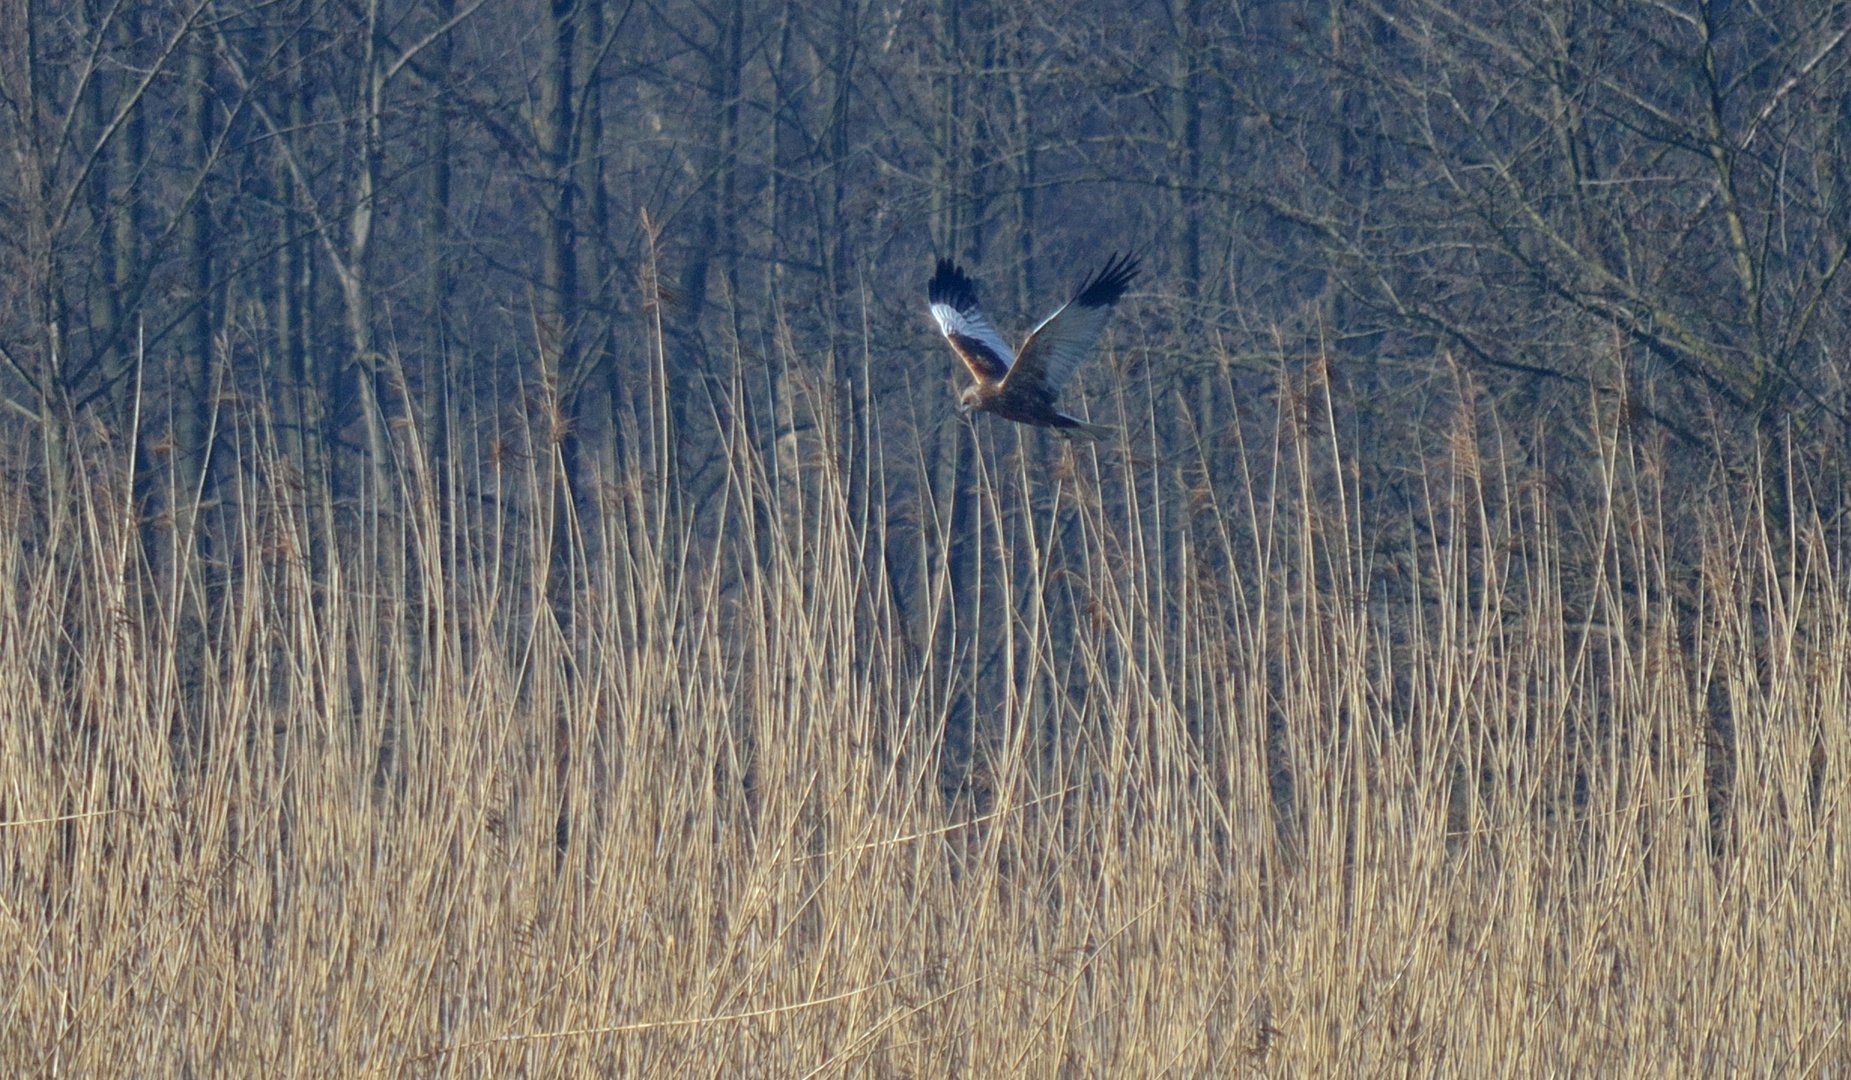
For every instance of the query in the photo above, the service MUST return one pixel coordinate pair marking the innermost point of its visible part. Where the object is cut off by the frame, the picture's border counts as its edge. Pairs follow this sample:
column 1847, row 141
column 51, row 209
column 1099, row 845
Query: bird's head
column 967, row 400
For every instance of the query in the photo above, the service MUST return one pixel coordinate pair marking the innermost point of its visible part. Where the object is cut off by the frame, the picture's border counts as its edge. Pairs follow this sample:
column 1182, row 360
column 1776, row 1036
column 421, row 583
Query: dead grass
column 494, row 791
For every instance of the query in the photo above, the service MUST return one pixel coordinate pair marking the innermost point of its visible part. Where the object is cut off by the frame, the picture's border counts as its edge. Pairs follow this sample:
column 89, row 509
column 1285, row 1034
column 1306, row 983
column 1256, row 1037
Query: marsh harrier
column 1023, row 388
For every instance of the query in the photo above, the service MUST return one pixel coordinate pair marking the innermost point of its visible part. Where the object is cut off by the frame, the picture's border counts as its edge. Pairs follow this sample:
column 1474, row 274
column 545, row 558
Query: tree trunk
column 1185, row 147
column 192, row 368
column 435, row 368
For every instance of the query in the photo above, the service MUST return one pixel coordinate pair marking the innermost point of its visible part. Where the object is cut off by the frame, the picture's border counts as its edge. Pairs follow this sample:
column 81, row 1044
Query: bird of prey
column 1023, row 388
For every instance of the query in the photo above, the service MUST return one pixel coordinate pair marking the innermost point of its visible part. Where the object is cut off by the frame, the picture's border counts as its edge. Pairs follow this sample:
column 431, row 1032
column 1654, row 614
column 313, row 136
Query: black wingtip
column 953, row 286
column 1104, row 288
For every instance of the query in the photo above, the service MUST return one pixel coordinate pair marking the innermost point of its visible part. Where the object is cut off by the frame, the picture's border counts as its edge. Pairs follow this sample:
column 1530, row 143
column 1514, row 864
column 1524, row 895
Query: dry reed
column 483, row 788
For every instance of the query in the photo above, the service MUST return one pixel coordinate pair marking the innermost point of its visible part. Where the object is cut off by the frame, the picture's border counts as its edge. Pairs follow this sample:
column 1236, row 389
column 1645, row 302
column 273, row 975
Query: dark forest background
column 367, row 226
column 493, row 580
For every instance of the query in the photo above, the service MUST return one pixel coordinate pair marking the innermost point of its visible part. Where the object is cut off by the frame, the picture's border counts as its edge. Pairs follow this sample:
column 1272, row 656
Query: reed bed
column 1188, row 769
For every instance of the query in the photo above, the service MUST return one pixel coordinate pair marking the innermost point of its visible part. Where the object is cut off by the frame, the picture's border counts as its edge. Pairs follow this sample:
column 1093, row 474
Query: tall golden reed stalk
column 483, row 788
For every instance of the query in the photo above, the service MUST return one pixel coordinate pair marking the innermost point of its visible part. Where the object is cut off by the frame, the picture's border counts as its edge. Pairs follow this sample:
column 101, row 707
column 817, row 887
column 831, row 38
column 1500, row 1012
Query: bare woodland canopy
column 493, row 580
column 374, row 217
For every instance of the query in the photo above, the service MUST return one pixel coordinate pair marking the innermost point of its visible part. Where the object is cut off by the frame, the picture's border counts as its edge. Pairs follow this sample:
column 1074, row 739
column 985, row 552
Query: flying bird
column 1023, row 388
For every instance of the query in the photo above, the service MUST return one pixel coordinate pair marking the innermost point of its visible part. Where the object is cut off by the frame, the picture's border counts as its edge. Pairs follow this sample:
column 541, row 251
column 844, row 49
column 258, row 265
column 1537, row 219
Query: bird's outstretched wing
column 1064, row 338
column 954, row 307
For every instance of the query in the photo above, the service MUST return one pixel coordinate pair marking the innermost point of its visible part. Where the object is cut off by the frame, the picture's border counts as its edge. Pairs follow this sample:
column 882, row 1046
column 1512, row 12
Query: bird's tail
column 1080, row 429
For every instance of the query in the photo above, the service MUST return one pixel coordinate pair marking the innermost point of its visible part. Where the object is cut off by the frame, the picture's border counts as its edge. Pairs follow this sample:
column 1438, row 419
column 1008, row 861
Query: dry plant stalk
column 470, row 800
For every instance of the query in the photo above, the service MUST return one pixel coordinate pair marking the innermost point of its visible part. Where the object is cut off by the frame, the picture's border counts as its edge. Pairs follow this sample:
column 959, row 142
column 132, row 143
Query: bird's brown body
column 1024, row 388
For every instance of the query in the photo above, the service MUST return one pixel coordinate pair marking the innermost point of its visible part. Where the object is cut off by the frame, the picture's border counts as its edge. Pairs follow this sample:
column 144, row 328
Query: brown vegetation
column 1245, row 792
column 493, row 582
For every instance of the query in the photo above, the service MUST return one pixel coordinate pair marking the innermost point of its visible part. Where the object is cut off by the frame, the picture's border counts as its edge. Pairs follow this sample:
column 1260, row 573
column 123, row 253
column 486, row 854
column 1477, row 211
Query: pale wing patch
column 1060, row 343
column 1064, row 338
column 975, row 340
